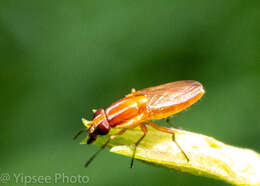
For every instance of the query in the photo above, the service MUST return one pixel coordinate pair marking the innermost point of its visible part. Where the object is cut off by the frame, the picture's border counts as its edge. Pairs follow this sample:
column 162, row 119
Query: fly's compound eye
column 102, row 128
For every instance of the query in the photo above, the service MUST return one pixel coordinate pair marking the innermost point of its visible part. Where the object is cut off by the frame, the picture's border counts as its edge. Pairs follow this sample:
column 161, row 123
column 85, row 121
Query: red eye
column 102, row 128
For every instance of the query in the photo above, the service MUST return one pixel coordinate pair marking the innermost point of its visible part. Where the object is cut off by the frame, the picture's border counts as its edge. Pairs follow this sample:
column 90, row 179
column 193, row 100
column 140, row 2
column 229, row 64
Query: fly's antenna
column 94, row 155
column 79, row 133
column 87, row 123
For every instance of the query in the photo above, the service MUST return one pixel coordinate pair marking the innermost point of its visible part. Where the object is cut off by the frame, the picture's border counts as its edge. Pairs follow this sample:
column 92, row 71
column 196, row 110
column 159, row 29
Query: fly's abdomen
column 171, row 98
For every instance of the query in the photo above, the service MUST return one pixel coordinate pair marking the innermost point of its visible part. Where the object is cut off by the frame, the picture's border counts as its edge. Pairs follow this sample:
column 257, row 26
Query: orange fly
column 140, row 107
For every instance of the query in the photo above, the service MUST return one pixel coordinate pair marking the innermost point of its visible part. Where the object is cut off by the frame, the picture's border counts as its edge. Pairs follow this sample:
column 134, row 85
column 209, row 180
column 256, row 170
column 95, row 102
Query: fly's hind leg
column 168, row 121
column 170, row 131
column 144, row 129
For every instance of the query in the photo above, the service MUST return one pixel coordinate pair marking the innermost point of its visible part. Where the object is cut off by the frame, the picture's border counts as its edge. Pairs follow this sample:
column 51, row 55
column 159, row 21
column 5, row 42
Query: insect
column 140, row 107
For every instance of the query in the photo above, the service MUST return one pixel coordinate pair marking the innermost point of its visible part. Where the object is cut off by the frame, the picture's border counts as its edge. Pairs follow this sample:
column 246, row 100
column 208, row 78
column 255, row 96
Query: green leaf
column 208, row 156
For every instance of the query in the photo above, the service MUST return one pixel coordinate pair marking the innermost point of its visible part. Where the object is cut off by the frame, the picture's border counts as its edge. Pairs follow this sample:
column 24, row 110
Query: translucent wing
column 171, row 98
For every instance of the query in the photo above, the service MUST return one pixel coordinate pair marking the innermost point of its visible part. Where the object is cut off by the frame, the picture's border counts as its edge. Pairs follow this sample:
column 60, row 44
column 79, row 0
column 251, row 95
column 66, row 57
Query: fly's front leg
column 104, row 145
column 170, row 131
column 118, row 134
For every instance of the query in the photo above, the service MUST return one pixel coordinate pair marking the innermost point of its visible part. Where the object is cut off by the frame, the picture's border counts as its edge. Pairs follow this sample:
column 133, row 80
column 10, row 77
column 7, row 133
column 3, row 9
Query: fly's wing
column 167, row 96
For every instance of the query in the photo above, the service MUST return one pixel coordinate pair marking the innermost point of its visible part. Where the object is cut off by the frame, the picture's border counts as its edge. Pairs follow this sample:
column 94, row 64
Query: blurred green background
column 60, row 59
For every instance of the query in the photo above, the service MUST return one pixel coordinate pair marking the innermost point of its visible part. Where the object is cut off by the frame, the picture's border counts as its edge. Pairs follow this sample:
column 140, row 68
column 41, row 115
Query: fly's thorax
column 125, row 109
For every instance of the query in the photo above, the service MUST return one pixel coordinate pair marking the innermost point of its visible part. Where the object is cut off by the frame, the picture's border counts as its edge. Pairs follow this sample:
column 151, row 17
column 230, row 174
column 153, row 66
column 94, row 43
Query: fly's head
column 98, row 126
